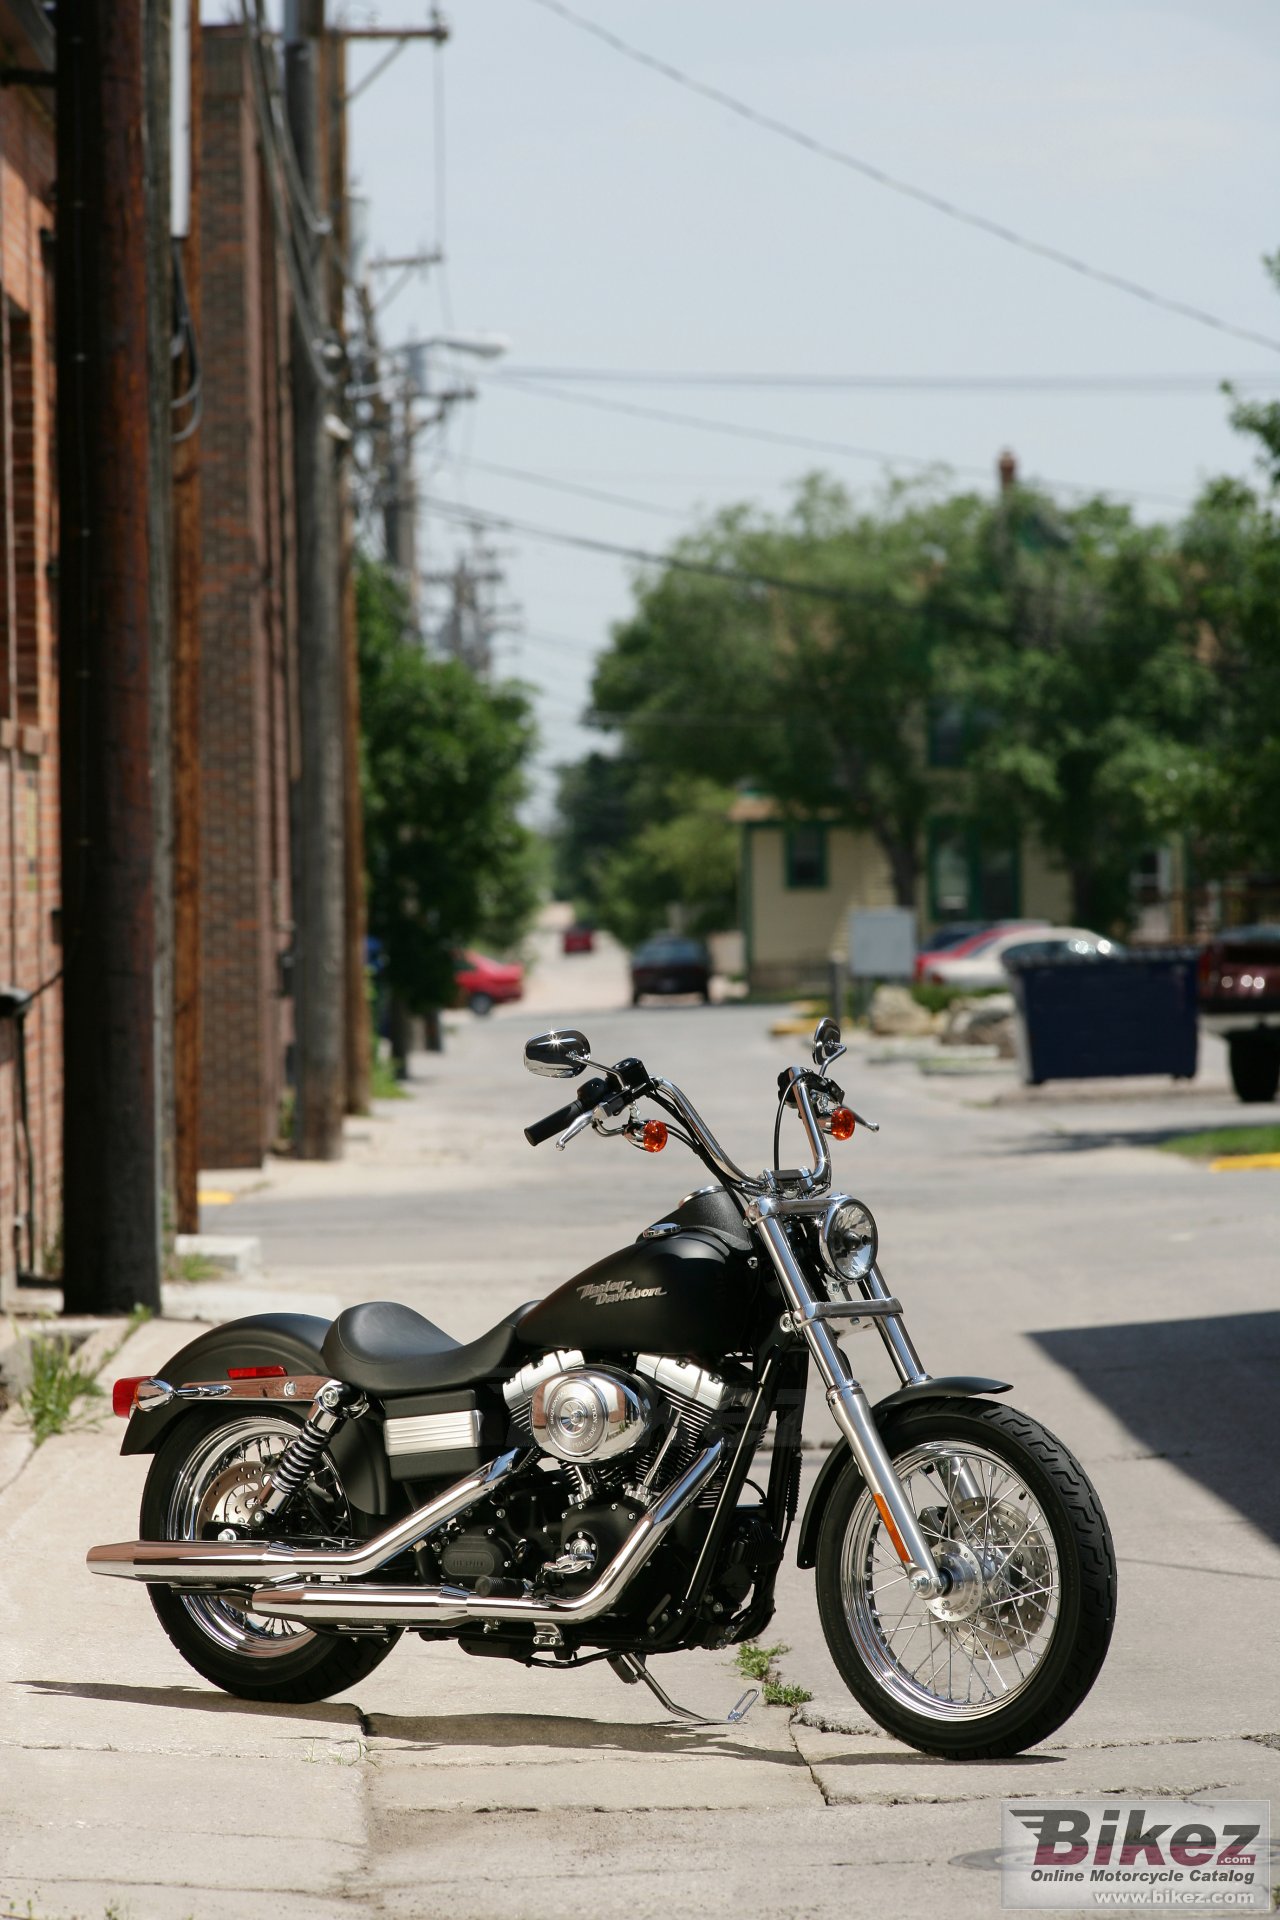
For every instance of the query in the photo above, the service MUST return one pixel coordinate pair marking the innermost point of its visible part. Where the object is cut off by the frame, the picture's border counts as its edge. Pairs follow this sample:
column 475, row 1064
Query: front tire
column 204, row 1471
column 1014, row 1517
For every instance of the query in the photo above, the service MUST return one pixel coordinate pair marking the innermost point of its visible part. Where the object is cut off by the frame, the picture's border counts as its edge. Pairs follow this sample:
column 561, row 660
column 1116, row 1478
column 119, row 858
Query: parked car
column 670, row 963
column 957, row 937
column 985, row 965
column 482, row 983
column 577, row 939
column 1239, row 981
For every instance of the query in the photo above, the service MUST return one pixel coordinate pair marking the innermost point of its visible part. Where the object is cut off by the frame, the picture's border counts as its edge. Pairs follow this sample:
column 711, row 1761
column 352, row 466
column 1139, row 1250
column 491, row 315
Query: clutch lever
column 571, row 1132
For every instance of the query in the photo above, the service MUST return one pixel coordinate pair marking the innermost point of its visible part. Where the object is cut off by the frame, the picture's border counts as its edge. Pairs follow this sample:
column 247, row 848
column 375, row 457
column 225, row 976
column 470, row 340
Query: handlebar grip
column 592, row 1095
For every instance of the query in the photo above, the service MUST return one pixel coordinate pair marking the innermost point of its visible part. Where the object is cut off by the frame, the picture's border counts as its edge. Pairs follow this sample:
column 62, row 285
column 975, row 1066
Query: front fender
column 951, row 1387
column 261, row 1340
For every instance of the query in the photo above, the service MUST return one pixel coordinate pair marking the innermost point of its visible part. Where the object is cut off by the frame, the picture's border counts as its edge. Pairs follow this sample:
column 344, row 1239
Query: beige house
column 801, row 878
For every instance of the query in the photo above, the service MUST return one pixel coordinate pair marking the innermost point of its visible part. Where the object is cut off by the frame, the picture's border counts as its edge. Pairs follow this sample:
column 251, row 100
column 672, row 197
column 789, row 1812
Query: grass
column 1217, row 1141
column 383, row 1083
column 193, row 1267
column 758, row 1663
column 50, row 1402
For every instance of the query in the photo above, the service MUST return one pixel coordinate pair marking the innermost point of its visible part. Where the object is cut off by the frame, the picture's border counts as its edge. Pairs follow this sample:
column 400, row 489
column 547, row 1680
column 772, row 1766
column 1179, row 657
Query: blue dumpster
column 1095, row 1018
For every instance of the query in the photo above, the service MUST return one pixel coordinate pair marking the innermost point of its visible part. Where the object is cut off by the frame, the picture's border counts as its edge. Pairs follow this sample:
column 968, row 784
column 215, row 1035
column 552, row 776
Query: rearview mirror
column 827, row 1044
column 558, row 1056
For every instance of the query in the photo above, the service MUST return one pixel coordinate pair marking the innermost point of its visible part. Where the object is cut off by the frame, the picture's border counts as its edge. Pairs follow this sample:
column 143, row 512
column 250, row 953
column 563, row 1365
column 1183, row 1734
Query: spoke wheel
column 1001, row 1659
column 205, row 1483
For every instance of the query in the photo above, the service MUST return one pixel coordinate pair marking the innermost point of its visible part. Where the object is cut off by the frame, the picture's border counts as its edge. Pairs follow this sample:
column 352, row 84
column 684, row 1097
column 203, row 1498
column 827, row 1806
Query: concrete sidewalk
column 1039, row 1246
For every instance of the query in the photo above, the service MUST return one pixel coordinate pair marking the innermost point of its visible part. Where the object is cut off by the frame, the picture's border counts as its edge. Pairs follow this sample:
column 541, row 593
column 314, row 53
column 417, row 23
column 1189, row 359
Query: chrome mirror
column 827, row 1044
column 558, row 1056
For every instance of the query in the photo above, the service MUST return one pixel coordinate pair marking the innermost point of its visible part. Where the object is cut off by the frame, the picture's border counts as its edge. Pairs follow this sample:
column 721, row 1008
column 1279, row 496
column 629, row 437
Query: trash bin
column 1090, row 1018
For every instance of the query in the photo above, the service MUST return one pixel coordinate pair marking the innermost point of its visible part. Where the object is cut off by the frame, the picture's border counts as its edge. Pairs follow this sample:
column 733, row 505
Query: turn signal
column 653, row 1138
column 122, row 1394
column 840, row 1126
column 256, row 1373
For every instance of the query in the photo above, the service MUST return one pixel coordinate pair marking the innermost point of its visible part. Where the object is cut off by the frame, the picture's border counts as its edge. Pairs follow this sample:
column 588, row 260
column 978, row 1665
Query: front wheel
column 1003, row 1658
column 203, row 1482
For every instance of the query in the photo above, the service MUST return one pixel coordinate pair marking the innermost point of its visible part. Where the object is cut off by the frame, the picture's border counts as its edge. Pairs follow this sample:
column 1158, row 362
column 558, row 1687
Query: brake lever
column 574, row 1128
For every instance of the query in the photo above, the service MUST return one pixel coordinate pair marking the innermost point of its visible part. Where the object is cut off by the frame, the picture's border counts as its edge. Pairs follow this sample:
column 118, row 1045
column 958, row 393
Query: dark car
column 670, row 963
column 1239, row 986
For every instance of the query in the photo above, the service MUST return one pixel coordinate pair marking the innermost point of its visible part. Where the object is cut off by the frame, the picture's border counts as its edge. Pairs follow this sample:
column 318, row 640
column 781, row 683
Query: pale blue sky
column 601, row 217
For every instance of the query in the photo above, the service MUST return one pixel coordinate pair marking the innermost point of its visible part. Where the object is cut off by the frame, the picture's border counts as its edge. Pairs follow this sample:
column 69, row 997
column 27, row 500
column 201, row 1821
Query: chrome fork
column 849, row 1405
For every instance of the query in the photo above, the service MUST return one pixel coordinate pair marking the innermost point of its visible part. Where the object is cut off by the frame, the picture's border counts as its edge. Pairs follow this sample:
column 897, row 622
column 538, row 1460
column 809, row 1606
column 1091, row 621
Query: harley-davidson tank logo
column 613, row 1293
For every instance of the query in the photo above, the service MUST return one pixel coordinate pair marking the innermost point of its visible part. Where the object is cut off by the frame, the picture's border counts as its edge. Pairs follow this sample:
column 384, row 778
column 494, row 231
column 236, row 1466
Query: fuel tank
column 689, row 1285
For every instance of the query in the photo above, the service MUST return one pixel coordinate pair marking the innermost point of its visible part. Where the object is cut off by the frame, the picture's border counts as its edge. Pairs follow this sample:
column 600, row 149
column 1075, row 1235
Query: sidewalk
column 448, row 1785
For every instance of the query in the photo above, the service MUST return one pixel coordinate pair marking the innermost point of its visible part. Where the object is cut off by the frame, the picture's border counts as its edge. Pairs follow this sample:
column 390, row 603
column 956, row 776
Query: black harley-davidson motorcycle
column 577, row 1484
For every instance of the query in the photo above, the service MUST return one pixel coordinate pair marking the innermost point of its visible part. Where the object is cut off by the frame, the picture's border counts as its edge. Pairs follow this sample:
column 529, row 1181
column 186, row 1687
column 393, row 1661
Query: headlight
column 849, row 1239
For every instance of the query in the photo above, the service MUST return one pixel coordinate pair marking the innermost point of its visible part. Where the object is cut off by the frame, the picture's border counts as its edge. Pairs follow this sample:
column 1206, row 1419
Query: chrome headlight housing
column 849, row 1239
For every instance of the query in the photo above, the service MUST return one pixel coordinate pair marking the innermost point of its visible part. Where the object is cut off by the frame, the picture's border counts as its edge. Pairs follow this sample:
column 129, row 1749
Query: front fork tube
column 852, row 1412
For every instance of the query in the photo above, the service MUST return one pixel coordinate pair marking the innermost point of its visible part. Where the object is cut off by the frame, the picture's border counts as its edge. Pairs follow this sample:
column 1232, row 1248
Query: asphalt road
column 1130, row 1298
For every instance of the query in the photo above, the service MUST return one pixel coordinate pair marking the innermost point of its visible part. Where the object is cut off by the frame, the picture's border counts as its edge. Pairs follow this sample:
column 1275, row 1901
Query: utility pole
column 358, row 1036
column 185, row 699
column 110, row 1226
column 319, row 859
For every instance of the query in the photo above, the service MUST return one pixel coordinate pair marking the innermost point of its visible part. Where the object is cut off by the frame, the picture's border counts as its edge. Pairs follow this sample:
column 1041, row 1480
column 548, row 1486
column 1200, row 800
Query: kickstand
column 631, row 1667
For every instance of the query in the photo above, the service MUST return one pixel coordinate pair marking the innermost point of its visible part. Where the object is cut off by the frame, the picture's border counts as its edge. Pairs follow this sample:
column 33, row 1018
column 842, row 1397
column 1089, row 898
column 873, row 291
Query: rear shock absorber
column 332, row 1407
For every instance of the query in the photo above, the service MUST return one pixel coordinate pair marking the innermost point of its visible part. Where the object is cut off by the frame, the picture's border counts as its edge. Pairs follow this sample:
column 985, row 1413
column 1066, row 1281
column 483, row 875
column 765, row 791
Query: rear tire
column 1054, row 1610
column 191, row 1486
column 481, row 1003
column 1255, row 1066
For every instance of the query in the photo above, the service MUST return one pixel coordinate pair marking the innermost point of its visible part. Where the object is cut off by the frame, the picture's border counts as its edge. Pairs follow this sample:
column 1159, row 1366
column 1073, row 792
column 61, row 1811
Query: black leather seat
column 387, row 1348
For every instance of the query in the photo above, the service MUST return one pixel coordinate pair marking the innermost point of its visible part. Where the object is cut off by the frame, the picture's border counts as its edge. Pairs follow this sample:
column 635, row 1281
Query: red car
column 578, row 939
column 1239, row 983
column 482, row 983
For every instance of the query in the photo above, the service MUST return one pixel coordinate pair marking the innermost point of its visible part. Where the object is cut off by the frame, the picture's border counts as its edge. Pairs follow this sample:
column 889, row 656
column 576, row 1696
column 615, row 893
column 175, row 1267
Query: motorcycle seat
column 384, row 1348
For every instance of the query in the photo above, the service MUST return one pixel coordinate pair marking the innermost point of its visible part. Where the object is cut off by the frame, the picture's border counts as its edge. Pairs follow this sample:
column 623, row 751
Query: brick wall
column 29, row 860
column 246, row 642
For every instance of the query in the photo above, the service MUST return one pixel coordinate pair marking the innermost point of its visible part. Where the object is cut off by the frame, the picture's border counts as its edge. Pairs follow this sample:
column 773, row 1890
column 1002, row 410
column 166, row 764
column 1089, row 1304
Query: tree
column 1092, row 697
column 444, row 758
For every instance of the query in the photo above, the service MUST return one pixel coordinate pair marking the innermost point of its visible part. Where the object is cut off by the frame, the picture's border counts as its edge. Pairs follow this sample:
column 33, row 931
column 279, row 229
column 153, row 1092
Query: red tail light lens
column 122, row 1395
column 256, row 1373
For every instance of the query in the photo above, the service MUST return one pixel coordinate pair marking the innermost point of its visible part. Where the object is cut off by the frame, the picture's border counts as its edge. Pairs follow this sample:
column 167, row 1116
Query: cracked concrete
column 453, row 1785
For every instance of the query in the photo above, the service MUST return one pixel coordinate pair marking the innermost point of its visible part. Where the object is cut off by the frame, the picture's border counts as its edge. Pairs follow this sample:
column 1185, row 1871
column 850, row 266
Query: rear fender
column 292, row 1340
column 952, row 1387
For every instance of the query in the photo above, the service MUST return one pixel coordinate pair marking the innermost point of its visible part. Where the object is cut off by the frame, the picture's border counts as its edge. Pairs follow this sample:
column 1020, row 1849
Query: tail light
column 256, row 1373
column 122, row 1394
column 1207, row 969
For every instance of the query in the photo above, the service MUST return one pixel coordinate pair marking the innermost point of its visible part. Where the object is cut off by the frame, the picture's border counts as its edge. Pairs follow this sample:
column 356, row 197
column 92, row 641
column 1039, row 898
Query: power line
column 669, row 416
column 950, row 208
column 1065, row 383
column 583, row 492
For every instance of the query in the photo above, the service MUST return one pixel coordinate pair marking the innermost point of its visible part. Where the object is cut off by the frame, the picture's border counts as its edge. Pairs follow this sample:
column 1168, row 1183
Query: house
column 800, row 878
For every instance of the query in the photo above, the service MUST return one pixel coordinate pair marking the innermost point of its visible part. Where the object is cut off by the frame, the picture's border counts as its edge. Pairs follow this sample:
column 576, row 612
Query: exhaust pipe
column 242, row 1563
column 408, row 1606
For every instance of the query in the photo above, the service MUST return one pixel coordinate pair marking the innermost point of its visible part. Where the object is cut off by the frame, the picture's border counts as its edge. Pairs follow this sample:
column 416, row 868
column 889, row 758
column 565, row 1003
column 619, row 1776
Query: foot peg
column 631, row 1667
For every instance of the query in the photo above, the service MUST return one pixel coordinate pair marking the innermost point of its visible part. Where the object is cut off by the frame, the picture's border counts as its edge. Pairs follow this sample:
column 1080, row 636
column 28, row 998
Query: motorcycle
column 576, row 1485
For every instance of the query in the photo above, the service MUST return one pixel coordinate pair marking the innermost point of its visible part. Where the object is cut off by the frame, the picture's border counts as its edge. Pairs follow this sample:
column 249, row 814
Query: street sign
column 882, row 943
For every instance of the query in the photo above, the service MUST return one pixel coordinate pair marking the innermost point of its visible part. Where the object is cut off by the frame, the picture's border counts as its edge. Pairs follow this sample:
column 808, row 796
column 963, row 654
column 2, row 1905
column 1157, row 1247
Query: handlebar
column 591, row 1094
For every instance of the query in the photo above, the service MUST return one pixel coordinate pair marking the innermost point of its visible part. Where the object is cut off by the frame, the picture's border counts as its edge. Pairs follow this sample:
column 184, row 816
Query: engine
column 612, row 1440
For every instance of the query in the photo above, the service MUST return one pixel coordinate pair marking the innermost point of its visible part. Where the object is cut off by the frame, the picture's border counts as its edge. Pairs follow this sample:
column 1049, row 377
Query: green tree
column 444, row 759
column 688, row 861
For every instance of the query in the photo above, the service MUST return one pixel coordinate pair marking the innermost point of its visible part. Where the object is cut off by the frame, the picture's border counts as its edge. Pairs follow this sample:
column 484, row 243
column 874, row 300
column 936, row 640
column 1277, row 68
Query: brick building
column 248, row 657
column 29, row 850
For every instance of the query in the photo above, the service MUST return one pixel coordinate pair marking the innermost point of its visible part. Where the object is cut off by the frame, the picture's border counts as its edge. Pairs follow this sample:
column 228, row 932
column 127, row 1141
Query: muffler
column 243, row 1563
column 408, row 1606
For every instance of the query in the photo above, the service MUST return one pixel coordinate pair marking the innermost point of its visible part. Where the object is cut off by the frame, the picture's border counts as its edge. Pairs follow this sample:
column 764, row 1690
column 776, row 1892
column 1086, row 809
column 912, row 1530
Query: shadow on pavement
column 436, row 1732
column 1201, row 1393
column 1079, row 1141
column 323, row 1713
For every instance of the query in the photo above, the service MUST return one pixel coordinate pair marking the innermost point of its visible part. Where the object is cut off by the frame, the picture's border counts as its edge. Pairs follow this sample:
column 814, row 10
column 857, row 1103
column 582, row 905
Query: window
column 804, row 854
column 972, row 875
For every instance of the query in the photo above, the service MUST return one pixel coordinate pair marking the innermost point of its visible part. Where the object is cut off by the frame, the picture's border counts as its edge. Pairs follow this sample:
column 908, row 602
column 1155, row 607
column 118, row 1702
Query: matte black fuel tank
column 694, row 1291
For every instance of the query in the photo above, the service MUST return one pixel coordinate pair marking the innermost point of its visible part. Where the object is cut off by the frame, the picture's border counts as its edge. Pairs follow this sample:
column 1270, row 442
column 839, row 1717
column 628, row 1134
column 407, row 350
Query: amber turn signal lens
column 654, row 1136
column 841, row 1124
column 122, row 1395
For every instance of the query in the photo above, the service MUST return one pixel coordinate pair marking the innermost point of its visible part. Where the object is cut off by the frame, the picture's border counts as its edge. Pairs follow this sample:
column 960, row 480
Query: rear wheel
column 1012, row 1649
column 1255, row 1065
column 202, row 1483
column 481, row 1003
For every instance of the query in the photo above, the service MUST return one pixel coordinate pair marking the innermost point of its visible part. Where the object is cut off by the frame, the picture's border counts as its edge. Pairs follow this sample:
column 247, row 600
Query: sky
column 601, row 218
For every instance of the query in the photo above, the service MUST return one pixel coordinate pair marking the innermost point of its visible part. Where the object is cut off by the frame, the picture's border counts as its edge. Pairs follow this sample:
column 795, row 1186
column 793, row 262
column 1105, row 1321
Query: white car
column 986, row 968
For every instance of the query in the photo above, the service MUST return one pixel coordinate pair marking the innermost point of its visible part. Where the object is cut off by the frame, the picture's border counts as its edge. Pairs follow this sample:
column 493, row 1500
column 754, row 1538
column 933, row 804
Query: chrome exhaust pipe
column 243, row 1563
column 408, row 1606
